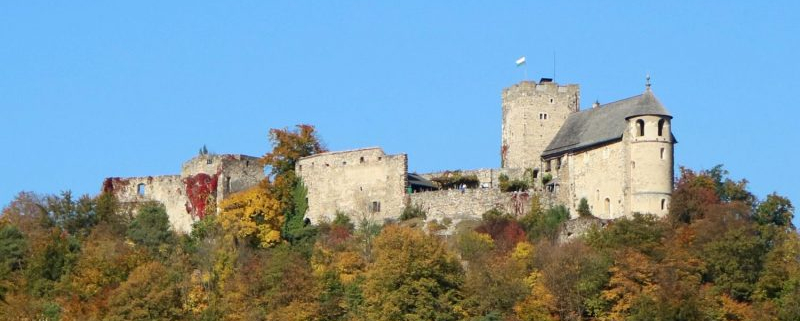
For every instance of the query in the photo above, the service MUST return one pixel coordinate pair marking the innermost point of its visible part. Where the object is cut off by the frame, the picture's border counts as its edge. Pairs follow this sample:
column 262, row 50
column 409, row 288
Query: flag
column 521, row 61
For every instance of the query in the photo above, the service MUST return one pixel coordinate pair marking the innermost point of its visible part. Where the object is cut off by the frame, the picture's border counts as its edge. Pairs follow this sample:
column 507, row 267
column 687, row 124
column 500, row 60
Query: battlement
column 527, row 88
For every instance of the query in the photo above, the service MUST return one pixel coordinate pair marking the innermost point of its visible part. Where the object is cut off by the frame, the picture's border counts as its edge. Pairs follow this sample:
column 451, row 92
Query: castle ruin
column 618, row 156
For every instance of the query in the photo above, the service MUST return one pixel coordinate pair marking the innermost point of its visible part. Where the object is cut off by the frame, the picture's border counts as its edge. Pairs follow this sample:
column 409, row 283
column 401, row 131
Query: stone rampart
column 457, row 205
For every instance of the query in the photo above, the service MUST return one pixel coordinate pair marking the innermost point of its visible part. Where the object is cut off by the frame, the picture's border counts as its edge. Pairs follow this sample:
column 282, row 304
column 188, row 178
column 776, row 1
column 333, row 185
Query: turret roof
column 602, row 124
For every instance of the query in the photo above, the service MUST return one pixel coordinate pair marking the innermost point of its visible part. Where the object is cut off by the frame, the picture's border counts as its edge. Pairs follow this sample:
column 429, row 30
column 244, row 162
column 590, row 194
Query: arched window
column 661, row 127
column 608, row 206
column 140, row 189
column 640, row 127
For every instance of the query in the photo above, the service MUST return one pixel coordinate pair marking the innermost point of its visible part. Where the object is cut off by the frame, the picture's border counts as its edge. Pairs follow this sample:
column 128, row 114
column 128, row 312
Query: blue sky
column 96, row 89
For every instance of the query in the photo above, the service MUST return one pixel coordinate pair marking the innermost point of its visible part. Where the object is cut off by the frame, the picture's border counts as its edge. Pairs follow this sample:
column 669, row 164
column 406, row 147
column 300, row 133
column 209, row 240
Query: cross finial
column 647, row 83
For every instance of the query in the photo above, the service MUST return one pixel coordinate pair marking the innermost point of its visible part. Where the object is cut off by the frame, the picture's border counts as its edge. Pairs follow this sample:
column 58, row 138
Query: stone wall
column 204, row 180
column 168, row 190
column 457, row 205
column 532, row 115
column 362, row 183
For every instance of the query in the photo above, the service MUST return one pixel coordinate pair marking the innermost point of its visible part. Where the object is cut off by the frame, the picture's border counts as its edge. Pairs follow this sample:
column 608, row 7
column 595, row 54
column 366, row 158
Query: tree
column 253, row 216
column 413, row 277
column 151, row 227
column 151, row 292
column 776, row 210
column 13, row 248
column 540, row 304
column 288, row 146
column 583, row 208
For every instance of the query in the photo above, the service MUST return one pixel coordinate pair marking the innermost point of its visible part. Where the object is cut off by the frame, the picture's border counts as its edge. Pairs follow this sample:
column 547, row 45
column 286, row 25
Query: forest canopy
column 720, row 254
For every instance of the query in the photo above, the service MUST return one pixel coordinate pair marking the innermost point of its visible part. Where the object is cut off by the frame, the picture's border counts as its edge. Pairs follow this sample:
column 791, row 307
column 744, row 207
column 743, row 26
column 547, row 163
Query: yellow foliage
column 522, row 252
column 540, row 305
column 632, row 276
column 253, row 213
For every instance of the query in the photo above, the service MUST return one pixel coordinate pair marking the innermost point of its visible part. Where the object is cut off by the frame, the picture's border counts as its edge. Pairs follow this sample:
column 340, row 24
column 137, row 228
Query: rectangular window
column 376, row 207
column 547, row 165
column 558, row 163
column 662, row 153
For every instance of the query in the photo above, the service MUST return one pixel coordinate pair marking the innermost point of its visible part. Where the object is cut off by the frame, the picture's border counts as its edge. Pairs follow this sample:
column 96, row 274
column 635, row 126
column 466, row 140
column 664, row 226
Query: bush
column 413, row 211
column 546, row 223
column 454, row 179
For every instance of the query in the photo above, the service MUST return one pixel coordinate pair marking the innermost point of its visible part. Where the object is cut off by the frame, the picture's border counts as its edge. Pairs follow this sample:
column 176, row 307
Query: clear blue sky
column 94, row 89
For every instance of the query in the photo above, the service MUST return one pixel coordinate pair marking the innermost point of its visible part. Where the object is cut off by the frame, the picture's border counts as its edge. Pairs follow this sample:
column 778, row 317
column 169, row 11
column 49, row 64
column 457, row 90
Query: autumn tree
column 253, row 216
column 413, row 277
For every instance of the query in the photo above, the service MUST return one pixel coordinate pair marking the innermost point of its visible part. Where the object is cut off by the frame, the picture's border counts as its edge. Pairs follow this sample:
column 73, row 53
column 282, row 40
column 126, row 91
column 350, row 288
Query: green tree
column 776, row 210
column 413, row 277
column 13, row 248
column 583, row 208
column 151, row 227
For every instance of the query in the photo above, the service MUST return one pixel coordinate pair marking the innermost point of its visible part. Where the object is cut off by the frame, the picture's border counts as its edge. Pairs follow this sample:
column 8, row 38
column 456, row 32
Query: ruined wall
column 352, row 182
column 488, row 177
column 168, row 190
column 204, row 181
column 469, row 204
column 532, row 115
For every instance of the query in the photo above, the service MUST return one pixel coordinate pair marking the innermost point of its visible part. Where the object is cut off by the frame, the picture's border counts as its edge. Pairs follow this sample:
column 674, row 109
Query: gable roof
column 603, row 124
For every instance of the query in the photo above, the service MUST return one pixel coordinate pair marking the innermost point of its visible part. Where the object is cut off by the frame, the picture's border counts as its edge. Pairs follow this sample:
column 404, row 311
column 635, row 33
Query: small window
column 209, row 161
column 344, row 163
column 140, row 189
column 376, row 207
column 662, row 153
column 608, row 206
column 227, row 184
column 633, row 165
column 551, row 100
column 661, row 128
column 361, row 160
column 380, row 158
column 640, row 127
column 547, row 165
column 558, row 163
column 247, row 164
column 535, row 173
column 663, row 204
column 327, row 165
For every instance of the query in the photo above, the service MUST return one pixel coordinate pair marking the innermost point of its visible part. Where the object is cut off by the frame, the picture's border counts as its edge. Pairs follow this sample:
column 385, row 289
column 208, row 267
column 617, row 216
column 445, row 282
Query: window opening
column 663, row 203
column 376, row 207
column 662, row 153
column 209, row 161
column 361, row 160
column 640, row 127
column 227, row 184
column 608, row 206
column 140, row 189
column 661, row 127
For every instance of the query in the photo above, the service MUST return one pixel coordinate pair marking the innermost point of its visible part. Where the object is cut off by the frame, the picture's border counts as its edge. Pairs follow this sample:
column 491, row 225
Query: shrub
column 413, row 211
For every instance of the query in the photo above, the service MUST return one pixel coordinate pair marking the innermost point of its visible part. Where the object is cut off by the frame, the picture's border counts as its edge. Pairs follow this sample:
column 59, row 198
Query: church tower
column 532, row 115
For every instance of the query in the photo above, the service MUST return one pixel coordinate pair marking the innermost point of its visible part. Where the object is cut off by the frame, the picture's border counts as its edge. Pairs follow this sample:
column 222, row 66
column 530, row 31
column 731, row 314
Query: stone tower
column 650, row 160
column 532, row 114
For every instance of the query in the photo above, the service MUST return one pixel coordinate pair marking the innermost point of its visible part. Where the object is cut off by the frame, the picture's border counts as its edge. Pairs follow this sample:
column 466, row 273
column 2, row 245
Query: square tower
column 532, row 115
